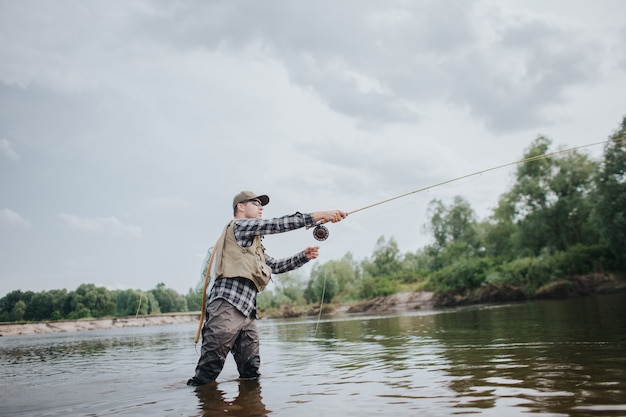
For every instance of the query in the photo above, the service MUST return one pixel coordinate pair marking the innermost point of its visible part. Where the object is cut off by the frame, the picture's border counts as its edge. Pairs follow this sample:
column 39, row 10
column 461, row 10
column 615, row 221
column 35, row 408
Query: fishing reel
column 320, row 232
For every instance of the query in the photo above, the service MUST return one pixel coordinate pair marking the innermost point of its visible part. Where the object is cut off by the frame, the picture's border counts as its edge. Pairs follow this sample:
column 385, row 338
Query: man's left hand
column 312, row 252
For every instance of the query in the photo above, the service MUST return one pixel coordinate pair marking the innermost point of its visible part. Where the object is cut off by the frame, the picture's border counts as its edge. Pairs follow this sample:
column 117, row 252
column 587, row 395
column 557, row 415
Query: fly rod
column 321, row 232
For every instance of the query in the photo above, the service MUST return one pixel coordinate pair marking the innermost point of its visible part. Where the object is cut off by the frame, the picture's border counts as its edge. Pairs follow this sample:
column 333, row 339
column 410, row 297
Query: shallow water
column 556, row 358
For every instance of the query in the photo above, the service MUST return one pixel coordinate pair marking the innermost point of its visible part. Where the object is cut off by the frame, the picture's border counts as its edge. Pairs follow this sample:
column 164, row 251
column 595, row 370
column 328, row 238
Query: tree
column 131, row 302
column 383, row 271
column 18, row 310
column 322, row 285
column 531, row 189
column 168, row 299
column 455, row 232
column 549, row 202
column 8, row 304
column 385, row 260
column 97, row 300
column 290, row 286
column 610, row 207
column 40, row 307
column 194, row 300
column 454, row 224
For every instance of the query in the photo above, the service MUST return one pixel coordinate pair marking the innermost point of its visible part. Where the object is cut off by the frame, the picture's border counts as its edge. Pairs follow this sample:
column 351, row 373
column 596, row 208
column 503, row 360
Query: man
column 242, row 270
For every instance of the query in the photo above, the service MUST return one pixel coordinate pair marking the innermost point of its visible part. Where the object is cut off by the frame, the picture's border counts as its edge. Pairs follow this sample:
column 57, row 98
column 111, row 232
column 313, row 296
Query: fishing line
column 139, row 305
column 325, row 273
column 136, row 315
column 321, row 232
column 319, row 314
column 530, row 159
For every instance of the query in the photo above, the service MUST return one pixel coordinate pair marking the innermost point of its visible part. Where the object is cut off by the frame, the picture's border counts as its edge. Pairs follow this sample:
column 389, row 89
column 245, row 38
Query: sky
column 127, row 127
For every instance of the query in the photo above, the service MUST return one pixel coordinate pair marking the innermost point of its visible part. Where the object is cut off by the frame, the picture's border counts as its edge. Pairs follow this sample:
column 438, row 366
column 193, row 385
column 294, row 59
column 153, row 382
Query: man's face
column 252, row 209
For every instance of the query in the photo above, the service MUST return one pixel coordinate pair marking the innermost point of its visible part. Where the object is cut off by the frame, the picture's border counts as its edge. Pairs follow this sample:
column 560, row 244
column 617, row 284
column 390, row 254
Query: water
column 557, row 358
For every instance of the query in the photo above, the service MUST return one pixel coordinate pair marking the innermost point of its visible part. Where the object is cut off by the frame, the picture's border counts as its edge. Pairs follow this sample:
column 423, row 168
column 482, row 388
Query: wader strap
column 207, row 278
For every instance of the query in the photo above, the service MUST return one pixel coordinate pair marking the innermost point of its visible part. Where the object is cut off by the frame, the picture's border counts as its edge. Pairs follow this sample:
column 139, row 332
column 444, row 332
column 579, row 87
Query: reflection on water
column 248, row 402
column 559, row 358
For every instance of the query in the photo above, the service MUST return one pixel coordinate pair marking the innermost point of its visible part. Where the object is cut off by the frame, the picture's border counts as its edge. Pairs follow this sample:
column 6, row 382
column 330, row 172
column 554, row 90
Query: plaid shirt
column 241, row 292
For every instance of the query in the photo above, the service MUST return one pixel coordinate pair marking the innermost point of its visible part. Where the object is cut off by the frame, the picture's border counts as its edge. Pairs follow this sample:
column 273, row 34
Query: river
column 548, row 358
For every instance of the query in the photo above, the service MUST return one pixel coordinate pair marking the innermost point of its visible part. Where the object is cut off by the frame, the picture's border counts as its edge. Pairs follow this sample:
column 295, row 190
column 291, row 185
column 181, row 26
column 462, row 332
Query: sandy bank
column 16, row 329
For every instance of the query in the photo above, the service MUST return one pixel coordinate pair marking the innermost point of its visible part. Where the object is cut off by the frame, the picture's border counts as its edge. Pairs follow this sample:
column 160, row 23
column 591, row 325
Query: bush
column 581, row 259
column 466, row 273
column 325, row 285
column 372, row 287
column 530, row 273
column 268, row 299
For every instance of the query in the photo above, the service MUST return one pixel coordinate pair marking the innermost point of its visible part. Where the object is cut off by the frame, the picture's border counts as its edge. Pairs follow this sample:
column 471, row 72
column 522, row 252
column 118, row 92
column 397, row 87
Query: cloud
column 9, row 218
column 7, row 150
column 397, row 57
column 106, row 225
column 377, row 63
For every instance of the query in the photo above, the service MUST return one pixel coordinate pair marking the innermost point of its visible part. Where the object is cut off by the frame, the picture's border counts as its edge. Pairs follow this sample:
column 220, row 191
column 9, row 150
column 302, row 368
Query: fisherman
column 242, row 270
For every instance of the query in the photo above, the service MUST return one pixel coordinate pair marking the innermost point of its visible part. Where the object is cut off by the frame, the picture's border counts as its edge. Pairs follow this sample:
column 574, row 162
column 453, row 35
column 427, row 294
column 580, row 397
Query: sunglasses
column 255, row 202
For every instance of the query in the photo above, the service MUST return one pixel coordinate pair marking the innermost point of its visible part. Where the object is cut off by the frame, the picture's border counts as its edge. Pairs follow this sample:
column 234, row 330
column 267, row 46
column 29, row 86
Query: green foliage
column 609, row 210
column 134, row 302
column 453, row 224
column 13, row 305
column 44, row 305
column 336, row 277
column 289, row 289
column 465, row 273
column 87, row 300
column 97, row 300
column 269, row 299
column 549, row 203
column 582, row 259
column 385, row 260
column 499, row 230
column 168, row 299
column 376, row 286
column 383, row 271
column 194, row 300
column 17, row 312
column 323, row 285
column 529, row 272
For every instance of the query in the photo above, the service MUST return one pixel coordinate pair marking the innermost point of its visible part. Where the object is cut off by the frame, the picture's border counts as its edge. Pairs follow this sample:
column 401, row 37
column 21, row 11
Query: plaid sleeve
column 286, row 264
column 247, row 229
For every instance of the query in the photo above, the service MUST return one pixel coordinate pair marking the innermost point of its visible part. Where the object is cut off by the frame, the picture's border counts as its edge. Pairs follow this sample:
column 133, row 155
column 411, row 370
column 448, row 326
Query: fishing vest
column 234, row 261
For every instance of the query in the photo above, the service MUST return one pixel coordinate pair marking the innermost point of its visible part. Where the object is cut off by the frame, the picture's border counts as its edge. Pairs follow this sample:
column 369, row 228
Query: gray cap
column 249, row 195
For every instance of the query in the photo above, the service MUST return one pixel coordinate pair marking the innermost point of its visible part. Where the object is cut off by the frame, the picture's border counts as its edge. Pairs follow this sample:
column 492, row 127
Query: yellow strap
column 207, row 278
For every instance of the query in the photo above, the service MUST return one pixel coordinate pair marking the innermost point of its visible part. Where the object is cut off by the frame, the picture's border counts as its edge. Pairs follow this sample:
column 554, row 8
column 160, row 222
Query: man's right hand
column 332, row 216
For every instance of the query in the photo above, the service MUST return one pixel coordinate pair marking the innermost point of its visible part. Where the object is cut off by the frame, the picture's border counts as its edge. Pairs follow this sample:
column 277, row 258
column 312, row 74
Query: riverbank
column 404, row 301
column 18, row 329
column 574, row 286
column 565, row 287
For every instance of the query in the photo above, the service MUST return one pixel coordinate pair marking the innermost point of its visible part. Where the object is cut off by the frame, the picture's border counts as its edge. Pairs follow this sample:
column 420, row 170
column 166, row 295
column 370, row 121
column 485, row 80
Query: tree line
column 89, row 300
column 564, row 215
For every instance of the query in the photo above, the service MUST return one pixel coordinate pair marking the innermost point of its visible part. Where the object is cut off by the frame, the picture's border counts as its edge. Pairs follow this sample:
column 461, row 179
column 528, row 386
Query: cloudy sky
column 126, row 127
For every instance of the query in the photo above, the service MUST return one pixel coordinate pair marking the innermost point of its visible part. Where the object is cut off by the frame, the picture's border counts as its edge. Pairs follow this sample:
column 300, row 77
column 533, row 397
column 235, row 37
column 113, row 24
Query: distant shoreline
column 27, row 328
column 404, row 301
column 574, row 286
